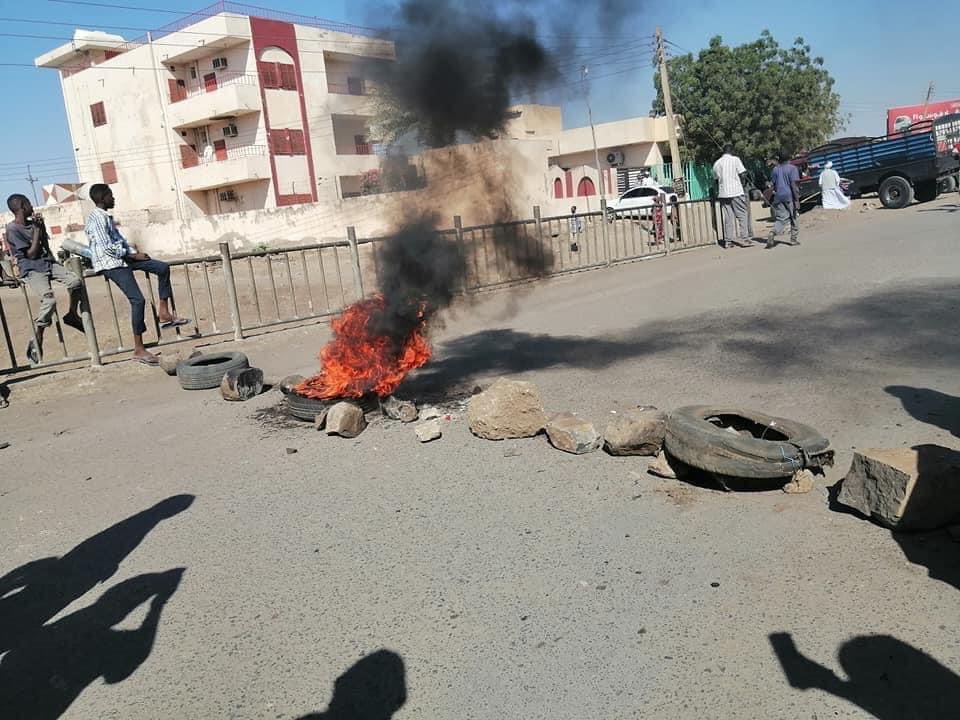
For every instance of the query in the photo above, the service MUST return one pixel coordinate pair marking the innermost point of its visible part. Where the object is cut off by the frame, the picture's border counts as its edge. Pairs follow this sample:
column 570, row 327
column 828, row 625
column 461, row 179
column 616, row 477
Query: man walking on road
column 729, row 171
column 115, row 259
column 786, row 199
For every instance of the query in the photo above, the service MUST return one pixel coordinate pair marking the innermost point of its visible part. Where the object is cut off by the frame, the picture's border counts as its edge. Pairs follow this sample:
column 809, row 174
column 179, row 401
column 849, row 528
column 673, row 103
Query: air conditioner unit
column 615, row 157
column 227, row 195
column 220, row 63
column 230, row 130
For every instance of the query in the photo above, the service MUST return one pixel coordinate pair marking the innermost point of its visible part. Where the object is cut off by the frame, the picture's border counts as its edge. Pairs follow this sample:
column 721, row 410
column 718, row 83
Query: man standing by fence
column 27, row 236
column 786, row 199
column 730, row 172
column 115, row 259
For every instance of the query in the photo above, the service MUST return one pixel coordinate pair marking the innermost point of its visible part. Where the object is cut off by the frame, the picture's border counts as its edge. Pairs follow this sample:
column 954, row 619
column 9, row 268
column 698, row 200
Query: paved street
column 506, row 580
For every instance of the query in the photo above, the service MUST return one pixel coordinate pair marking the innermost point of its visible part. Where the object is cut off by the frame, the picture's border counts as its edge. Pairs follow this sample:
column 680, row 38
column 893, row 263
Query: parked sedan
column 637, row 202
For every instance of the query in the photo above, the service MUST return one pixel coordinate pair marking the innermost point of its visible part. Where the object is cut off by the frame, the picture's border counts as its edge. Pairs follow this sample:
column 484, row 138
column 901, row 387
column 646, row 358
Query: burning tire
column 744, row 444
column 206, row 371
column 305, row 408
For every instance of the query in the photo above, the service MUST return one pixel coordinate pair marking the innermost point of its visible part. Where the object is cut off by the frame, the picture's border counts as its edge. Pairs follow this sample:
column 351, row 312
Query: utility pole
column 584, row 71
column 32, row 180
column 668, row 106
column 923, row 114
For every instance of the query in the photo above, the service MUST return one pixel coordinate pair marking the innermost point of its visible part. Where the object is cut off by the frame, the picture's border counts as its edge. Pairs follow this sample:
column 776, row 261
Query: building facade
column 222, row 112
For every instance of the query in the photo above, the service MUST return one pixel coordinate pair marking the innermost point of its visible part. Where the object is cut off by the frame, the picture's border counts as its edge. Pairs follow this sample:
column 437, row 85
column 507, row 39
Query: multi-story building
column 223, row 111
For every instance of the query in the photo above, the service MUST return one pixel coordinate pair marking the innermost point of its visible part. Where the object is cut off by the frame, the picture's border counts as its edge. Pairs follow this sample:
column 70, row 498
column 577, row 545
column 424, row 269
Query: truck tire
column 927, row 191
column 765, row 447
column 206, row 371
column 895, row 192
column 948, row 184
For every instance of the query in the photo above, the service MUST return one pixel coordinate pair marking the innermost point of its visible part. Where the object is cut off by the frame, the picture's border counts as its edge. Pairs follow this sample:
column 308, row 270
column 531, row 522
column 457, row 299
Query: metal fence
column 237, row 293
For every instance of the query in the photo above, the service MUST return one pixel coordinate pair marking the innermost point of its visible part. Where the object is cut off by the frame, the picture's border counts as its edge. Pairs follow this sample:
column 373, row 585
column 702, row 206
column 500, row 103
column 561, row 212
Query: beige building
column 628, row 150
column 224, row 114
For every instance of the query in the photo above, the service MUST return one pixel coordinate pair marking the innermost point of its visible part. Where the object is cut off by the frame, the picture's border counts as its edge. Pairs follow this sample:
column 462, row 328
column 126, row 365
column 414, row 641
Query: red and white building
column 222, row 111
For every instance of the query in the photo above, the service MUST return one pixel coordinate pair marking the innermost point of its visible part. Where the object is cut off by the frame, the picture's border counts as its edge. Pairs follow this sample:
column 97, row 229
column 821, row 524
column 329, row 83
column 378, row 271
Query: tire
column 895, row 192
column 783, row 446
column 927, row 191
column 947, row 184
column 304, row 408
column 206, row 371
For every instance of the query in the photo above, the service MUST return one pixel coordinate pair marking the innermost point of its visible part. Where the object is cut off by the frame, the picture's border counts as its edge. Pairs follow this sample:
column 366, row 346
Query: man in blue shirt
column 786, row 199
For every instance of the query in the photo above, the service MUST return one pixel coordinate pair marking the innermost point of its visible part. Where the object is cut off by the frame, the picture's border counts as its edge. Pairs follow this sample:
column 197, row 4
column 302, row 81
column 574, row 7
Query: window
column 269, row 76
column 586, row 187
column 111, row 54
column 558, row 188
column 188, row 156
column 280, row 142
column 177, row 88
column 288, row 142
column 109, row 172
column 99, row 114
column 298, row 145
column 355, row 86
column 288, row 76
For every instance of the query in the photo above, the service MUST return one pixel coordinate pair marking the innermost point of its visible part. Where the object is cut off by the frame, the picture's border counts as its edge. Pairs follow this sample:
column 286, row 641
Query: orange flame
column 355, row 363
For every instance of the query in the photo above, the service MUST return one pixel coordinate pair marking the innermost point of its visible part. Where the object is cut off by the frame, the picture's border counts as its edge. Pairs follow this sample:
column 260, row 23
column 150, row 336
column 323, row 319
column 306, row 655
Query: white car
column 637, row 202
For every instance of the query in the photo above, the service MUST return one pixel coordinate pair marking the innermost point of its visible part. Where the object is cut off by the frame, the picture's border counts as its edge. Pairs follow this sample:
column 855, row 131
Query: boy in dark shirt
column 28, row 240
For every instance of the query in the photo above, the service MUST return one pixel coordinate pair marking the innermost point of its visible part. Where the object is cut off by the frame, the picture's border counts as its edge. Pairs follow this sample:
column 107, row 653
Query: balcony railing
column 193, row 159
column 348, row 88
column 364, row 148
column 201, row 87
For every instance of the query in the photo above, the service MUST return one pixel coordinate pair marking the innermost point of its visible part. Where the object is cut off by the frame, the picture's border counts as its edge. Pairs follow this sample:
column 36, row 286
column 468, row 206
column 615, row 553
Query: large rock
column 169, row 359
column 241, row 383
column 429, row 430
column 401, row 410
column 572, row 434
column 345, row 419
column 636, row 432
column 507, row 409
column 905, row 488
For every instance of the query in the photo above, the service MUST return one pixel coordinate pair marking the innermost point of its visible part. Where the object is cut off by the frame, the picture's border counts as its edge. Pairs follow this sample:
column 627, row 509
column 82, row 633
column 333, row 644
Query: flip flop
column 151, row 361
column 176, row 322
column 73, row 321
column 34, row 354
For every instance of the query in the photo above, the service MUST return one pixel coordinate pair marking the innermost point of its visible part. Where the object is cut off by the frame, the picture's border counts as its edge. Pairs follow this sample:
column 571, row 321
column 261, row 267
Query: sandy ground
column 472, row 579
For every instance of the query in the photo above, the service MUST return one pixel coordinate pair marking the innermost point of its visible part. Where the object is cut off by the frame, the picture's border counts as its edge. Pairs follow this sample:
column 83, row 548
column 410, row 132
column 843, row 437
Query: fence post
column 355, row 257
column 89, row 331
column 603, row 230
column 231, row 285
column 458, row 233
column 539, row 224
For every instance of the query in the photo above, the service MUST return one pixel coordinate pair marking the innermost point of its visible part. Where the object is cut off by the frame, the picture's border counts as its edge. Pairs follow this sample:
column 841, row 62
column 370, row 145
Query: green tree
column 759, row 96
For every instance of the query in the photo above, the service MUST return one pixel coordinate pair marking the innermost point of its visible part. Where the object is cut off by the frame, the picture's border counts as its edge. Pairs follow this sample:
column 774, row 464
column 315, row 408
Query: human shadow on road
column 46, row 671
column 896, row 324
column 929, row 406
column 888, row 678
column 35, row 592
column 374, row 688
column 952, row 208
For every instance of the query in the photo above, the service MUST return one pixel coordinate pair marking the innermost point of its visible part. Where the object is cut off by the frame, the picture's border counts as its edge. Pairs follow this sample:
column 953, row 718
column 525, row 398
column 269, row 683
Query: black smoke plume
column 457, row 66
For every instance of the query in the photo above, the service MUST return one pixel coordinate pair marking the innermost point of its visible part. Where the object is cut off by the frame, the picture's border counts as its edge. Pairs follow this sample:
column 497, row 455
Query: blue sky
column 882, row 54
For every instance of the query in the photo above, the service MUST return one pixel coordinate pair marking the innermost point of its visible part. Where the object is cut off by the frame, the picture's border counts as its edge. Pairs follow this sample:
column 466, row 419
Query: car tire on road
column 948, row 184
column 895, row 192
column 206, row 371
column 305, row 408
column 766, row 447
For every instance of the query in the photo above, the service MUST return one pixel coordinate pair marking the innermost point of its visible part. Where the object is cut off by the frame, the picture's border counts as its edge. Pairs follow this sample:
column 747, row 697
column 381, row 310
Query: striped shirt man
column 727, row 171
column 108, row 247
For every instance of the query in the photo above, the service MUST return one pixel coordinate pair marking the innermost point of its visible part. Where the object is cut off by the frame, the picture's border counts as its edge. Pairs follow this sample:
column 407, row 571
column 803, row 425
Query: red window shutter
column 98, row 114
column 55, row 229
column 269, row 76
column 110, row 54
column 109, row 172
column 288, row 76
column 188, row 157
column 297, row 144
column 280, row 142
column 177, row 88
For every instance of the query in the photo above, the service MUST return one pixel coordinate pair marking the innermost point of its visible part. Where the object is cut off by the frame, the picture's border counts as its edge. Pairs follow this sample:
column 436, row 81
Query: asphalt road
column 166, row 557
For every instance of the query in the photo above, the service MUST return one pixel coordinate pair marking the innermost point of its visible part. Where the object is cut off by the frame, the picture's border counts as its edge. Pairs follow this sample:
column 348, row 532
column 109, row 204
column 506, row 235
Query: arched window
column 277, row 70
column 586, row 187
column 558, row 188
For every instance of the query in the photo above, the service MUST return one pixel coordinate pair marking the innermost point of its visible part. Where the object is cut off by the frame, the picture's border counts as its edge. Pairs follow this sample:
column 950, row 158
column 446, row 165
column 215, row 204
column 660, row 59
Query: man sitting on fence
column 28, row 240
column 115, row 259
